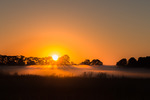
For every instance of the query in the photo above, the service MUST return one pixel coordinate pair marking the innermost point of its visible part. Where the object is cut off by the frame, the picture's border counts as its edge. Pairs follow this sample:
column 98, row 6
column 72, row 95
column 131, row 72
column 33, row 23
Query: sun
column 55, row 57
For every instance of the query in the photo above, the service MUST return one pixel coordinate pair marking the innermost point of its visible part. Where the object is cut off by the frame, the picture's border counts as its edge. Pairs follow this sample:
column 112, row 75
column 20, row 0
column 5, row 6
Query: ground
column 102, row 87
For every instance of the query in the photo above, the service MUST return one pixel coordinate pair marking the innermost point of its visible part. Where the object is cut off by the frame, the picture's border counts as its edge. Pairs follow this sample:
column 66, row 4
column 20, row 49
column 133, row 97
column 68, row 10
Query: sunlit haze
column 83, row 29
column 55, row 57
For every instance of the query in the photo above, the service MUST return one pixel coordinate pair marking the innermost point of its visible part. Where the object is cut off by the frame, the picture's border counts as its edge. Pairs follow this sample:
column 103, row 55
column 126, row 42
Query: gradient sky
column 105, row 29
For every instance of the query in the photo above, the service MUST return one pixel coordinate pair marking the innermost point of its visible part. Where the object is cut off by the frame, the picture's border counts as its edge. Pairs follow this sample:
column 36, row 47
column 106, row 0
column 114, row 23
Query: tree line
column 65, row 60
column 22, row 60
column 132, row 62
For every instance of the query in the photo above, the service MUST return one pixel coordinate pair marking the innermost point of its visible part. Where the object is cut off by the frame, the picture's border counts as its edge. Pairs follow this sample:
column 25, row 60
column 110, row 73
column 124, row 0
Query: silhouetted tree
column 144, row 61
column 122, row 62
column 148, row 61
column 132, row 62
column 86, row 62
column 30, row 62
column 96, row 62
column 21, row 61
column 64, row 60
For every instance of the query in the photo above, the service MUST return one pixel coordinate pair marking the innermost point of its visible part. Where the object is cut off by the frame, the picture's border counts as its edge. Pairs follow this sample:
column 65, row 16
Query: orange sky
column 83, row 29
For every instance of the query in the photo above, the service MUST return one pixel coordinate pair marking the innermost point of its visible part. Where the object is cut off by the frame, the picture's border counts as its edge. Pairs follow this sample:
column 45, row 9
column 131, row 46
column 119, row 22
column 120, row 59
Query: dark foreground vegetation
column 143, row 62
column 85, row 87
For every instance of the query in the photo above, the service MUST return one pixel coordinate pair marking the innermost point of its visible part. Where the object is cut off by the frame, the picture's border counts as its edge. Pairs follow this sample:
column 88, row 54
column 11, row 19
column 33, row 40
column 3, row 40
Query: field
column 100, row 87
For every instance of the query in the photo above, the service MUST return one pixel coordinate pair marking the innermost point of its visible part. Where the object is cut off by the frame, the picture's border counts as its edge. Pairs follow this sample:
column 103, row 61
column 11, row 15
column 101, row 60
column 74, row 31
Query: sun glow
column 55, row 57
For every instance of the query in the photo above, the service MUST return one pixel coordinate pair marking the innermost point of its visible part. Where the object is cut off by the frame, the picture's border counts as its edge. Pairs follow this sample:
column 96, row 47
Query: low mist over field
column 75, row 70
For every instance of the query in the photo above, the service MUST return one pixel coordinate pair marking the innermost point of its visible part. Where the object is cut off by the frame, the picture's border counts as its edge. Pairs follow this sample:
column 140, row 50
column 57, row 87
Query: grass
column 84, row 87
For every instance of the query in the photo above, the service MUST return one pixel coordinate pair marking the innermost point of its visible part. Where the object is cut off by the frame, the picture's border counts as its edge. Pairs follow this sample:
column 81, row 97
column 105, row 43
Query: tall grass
column 88, row 86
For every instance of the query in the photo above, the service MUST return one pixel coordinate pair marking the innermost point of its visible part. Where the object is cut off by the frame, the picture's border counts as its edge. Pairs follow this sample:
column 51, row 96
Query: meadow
column 84, row 87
